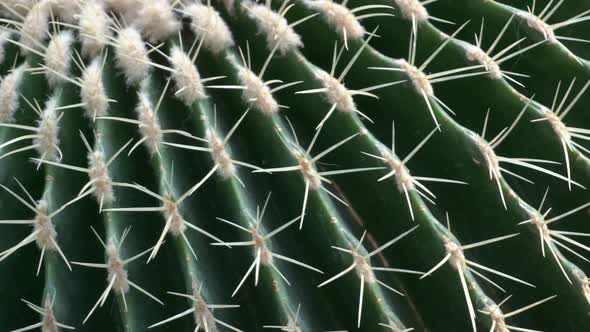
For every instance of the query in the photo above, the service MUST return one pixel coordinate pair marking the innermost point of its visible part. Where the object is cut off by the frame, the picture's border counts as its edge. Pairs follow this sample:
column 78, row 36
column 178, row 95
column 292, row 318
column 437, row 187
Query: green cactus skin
column 298, row 165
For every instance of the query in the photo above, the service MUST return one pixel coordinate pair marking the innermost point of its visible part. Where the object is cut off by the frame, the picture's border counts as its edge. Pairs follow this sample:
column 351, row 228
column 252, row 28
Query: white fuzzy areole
column 120, row 6
column 116, row 268
column 308, row 171
column 187, row 79
column 94, row 28
column 489, row 154
column 491, row 159
column 202, row 313
column 131, row 56
column 150, row 127
column 48, row 130
column 4, row 35
column 538, row 221
column 256, row 92
column 418, row 78
column 363, row 268
column 337, row 92
column 65, row 10
column 340, row 18
column 260, row 245
column 92, row 93
column 21, row 7
column 558, row 126
column 155, row 18
column 475, row 53
column 275, row 29
column 177, row 225
column 538, row 24
column 49, row 323
column 126, row 9
column 402, row 175
column 9, row 94
column 412, row 9
column 457, row 259
column 99, row 174
column 35, row 26
column 220, row 157
column 207, row 23
column 46, row 236
column 497, row 316
column 57, row 57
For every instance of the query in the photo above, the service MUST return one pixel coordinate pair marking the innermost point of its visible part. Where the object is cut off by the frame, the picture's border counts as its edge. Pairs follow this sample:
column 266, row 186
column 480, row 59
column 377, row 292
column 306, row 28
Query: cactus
column 296, row 165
